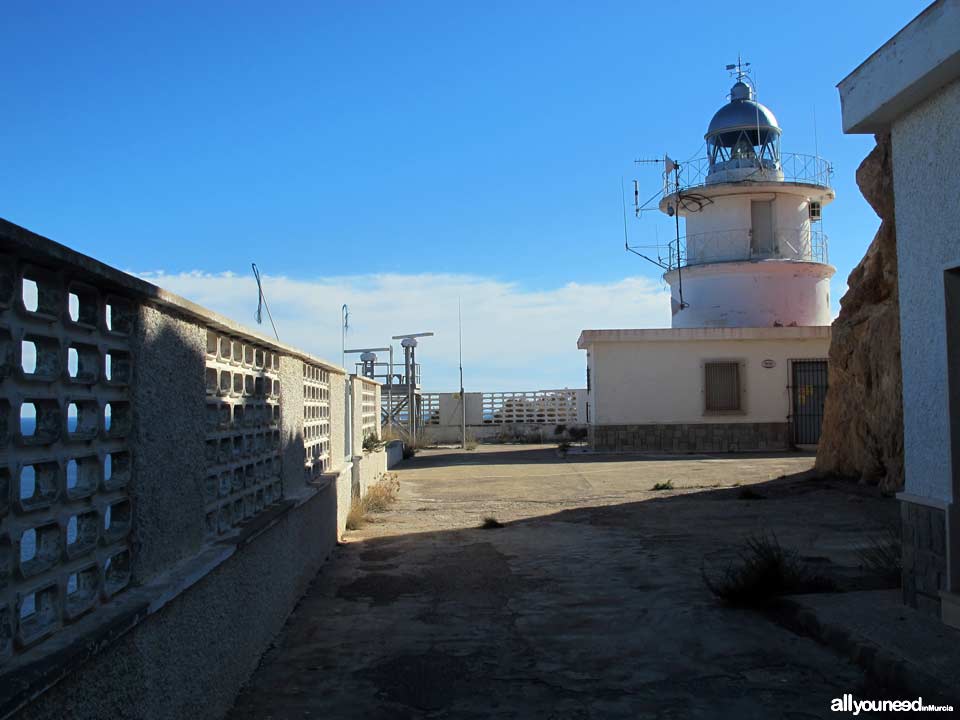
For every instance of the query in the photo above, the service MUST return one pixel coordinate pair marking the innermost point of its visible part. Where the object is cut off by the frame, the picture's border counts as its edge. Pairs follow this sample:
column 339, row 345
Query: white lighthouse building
column 753, row 254
column 743, row 366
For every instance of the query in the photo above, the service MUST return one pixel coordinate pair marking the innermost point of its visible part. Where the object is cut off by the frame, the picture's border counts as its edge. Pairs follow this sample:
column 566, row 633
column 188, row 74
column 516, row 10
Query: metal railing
column 794, row 167
column 387, row 374
column 804, row 244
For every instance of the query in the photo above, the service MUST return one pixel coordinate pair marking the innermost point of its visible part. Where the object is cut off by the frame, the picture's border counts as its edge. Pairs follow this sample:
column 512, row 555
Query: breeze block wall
column 170, row 482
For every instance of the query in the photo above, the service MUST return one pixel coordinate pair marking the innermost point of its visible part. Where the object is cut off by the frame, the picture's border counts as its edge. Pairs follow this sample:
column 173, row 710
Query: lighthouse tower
column 753, row 253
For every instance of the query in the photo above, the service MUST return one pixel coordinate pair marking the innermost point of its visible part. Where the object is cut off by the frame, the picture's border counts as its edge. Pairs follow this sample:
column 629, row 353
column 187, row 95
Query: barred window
column 722, row 387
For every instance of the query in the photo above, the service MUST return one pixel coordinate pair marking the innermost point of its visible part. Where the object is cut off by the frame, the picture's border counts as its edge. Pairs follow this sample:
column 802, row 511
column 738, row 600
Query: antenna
column 816, row 144
column 262, row 301
column 345, row 325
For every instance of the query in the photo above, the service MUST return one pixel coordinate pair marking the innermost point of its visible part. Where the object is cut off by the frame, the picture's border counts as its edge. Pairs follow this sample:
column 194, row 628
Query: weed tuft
column 668, row 485
column 765, row 572
column 378, row 499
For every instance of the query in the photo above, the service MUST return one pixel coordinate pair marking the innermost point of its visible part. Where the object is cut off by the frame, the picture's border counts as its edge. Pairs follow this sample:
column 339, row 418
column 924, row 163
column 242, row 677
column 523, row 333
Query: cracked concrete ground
column 589, row 603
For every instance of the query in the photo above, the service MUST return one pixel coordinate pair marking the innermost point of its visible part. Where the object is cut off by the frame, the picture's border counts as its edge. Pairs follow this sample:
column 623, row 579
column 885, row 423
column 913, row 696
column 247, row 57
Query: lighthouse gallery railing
column 795, row 167
column 799, row 244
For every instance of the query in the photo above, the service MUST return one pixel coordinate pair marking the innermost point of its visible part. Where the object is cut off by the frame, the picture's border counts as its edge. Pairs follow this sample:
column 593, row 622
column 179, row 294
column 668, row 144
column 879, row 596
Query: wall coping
column 39, row 249
column 365, row 379
column 912, row 65
column 813, row 332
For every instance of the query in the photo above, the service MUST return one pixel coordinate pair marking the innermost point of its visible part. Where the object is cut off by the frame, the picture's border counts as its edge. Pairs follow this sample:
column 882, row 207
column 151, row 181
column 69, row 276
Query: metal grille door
column 809, row 393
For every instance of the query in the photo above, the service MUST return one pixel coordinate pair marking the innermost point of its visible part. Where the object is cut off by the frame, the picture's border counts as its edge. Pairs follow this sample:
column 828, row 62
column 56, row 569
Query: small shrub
column 490, row 523
column 560, row 429
column 371, row 442
column 765, row 572
column 408, row 451
column 668, row 485
column 578, row 434
column 382, row 495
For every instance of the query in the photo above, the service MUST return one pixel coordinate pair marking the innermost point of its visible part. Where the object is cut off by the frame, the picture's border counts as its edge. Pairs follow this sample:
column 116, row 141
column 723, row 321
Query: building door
column 809, row 391
column 761, row 226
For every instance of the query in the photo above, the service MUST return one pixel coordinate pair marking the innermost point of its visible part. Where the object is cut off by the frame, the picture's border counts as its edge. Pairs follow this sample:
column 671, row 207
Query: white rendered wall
column 720, row 231
column 926, row 148
column 662, row 381
column 759, row 294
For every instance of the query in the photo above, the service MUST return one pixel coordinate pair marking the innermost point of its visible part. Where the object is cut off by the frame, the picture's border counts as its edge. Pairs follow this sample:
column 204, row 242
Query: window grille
column 722, row 387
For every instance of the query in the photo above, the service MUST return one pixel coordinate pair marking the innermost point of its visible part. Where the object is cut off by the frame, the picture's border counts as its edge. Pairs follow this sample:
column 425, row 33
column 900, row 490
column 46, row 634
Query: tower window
column 815, row 210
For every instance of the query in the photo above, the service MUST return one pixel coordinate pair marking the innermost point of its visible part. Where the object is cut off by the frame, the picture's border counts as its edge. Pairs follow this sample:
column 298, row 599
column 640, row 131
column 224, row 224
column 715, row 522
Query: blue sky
column 399, row 155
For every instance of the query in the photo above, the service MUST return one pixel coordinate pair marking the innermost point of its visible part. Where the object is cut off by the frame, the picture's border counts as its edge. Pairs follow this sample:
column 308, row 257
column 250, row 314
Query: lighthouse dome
column 743, row 140
column 742, row 113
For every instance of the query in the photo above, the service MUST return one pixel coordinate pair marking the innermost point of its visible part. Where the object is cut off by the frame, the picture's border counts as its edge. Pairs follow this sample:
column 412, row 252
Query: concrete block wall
column 166, row 514
column 368, row 466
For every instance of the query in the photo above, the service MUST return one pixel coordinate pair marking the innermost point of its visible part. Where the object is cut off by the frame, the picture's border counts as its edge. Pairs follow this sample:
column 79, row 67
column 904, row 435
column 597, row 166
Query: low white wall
column 662, row 381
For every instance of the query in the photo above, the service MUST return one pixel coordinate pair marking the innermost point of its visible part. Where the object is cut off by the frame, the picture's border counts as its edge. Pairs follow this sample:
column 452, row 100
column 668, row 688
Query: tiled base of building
column 924, row 556
column 692, row 438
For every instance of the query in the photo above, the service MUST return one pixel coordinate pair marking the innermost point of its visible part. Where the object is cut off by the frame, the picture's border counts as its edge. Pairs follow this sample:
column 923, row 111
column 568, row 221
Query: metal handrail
column 803, row 244
column 793, row 167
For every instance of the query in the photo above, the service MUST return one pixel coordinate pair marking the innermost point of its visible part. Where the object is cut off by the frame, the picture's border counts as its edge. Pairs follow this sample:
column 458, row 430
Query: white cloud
column 513, row 338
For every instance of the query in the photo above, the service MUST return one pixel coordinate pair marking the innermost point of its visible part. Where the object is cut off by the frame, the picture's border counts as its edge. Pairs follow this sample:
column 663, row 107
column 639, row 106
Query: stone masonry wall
column 924, row 556
column 692, row 438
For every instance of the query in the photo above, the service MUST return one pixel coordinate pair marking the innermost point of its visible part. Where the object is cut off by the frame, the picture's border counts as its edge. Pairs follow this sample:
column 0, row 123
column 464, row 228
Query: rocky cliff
column 863, row 420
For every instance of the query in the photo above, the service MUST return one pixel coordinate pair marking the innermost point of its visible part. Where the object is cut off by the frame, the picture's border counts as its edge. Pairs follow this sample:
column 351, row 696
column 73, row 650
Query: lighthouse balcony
column 803, row 244
column 790, row 168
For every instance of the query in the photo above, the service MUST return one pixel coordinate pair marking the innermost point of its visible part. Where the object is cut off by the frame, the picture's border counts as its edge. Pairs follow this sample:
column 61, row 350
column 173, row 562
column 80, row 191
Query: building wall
column 926, row 143
column 926, row 147
column 766, row 293
column 910, row 87
column 661, row 382
column 733, row 212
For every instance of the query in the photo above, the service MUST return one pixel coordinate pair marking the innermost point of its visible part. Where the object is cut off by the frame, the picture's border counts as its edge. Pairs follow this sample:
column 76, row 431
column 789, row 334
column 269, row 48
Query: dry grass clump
column 490, row 523
column 381, row 496
column 765, row 572
column 883, row 553
column 668, row 485
column 357, row 517
column 378, row 499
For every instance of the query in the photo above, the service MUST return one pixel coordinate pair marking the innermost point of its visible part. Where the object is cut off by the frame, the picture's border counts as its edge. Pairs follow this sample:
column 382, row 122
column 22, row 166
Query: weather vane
column 739, row 69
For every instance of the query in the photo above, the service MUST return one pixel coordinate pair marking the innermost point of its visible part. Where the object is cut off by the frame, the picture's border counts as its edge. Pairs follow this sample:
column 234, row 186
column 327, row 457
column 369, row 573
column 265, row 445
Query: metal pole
column 463, row 398
column 390, row 391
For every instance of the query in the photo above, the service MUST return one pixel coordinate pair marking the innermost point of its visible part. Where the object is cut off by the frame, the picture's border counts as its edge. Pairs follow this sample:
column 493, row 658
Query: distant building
column 910, row 88
column 744, row 366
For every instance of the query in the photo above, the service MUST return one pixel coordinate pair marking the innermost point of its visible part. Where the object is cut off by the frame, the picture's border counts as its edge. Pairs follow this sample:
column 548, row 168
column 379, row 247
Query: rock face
column 863, row 420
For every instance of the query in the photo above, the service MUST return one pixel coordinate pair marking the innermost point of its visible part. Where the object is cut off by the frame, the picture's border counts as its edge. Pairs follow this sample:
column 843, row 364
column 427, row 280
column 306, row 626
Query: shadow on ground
column 593, row 610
